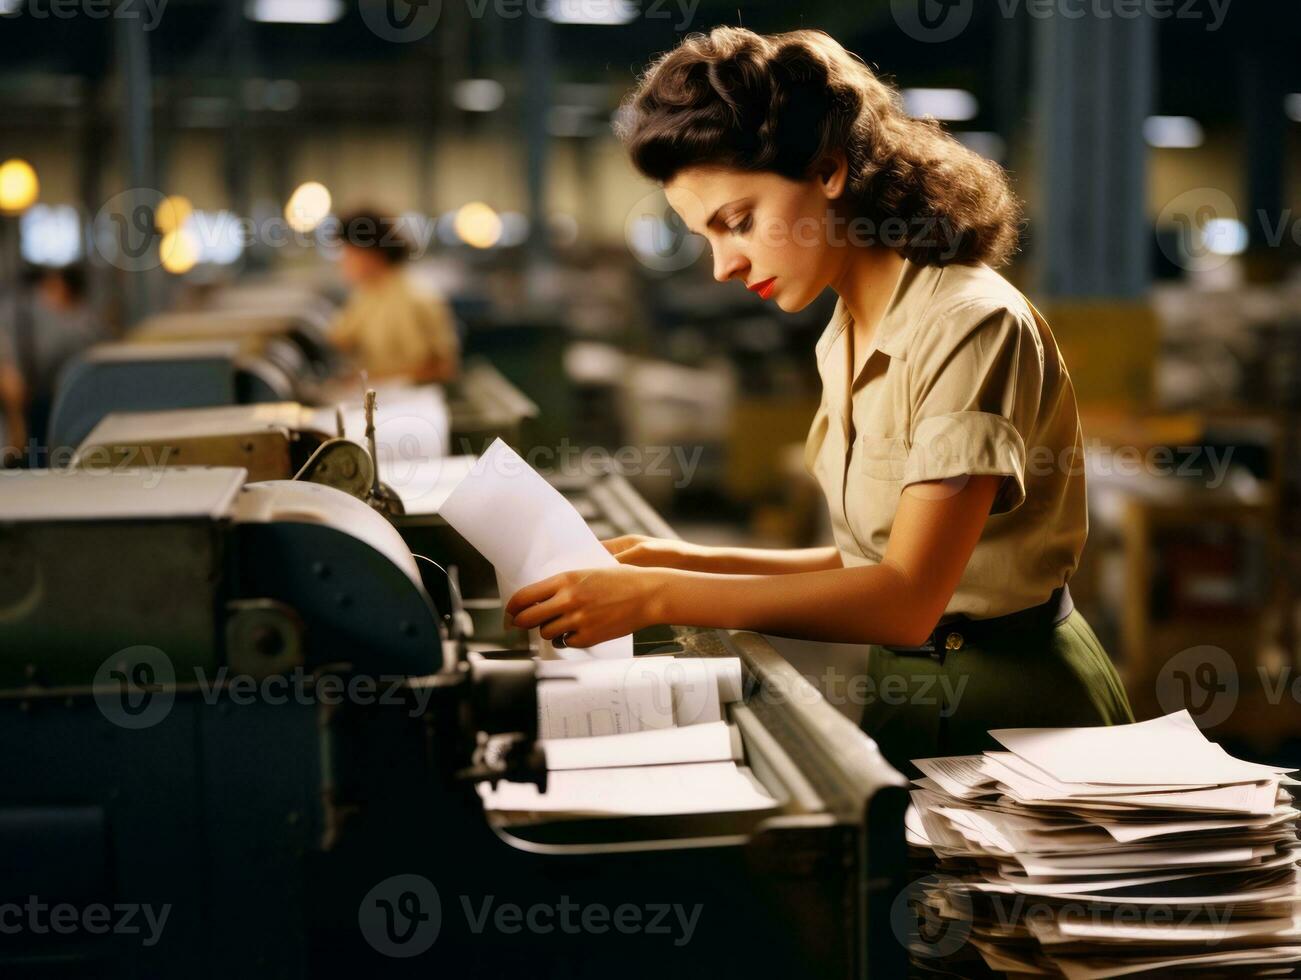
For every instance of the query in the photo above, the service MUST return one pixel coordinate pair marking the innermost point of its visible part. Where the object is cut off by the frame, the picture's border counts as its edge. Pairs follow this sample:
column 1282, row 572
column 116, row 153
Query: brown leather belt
column 952, row 634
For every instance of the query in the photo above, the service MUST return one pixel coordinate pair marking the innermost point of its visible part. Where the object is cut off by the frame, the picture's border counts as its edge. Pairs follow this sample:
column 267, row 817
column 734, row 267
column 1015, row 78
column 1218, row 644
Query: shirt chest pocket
column 880, row 457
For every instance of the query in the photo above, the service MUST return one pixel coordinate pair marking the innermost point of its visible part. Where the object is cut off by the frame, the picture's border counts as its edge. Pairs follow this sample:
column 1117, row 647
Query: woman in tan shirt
column 389, row 325
column 947, row 442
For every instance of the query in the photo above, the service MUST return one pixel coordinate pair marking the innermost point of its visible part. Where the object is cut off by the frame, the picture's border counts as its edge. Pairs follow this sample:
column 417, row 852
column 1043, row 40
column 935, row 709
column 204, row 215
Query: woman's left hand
column 591, row 605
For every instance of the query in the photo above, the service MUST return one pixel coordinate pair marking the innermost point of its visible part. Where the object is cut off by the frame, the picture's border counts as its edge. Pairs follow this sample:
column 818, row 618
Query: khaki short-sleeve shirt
column 396, row 327
column 963, row 378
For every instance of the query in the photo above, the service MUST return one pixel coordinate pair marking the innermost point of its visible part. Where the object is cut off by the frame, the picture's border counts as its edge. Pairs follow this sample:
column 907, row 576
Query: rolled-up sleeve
column 975, row 397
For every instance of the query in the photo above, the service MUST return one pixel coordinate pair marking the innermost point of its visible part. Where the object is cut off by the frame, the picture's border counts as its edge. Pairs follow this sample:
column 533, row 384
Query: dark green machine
column 256, row 368
column 173, row 642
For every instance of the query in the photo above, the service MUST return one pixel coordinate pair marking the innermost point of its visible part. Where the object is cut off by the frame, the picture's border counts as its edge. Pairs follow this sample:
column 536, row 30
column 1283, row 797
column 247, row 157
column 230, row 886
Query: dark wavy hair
column 369, row 228
column 784, row 102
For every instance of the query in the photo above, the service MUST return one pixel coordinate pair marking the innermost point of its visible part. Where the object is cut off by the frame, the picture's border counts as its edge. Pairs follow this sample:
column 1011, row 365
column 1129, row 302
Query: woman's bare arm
column 637, row 549
column 897, row 602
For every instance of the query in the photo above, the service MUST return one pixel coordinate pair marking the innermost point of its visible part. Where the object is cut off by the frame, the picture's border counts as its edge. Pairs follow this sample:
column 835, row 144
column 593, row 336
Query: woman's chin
column 790, row 301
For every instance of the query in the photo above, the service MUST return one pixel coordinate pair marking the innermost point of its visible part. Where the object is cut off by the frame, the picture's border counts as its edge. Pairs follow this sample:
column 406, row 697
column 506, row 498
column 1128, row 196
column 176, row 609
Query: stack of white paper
column 645, row 736
column 1103, row 852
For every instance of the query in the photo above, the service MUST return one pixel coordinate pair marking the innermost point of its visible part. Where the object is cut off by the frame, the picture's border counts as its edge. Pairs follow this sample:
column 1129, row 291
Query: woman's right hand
column 639, row 549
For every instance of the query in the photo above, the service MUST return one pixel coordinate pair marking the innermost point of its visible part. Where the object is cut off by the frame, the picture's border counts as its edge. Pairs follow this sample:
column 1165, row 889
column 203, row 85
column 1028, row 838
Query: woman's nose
column 727, row 264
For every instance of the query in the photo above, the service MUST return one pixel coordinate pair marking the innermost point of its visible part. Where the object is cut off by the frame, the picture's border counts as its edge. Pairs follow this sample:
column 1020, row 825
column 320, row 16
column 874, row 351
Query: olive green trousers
column 920, row 706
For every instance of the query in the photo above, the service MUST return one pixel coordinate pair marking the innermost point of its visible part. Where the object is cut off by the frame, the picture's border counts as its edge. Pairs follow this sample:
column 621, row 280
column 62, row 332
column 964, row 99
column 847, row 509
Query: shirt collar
column 902, row 313
column 900, row 317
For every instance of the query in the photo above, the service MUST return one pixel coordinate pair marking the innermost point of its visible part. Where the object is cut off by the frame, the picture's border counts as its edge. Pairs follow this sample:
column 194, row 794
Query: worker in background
column 947, row 443
column 391, row 325
column 50, row 325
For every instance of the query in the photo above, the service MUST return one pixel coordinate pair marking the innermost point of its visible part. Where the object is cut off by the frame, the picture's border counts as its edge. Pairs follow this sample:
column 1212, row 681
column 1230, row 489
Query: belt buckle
column 944, row 640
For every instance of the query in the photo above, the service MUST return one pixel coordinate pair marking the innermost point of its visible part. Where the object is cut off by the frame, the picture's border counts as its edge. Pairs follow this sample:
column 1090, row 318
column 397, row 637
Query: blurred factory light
column 179, row 251
column 478, row 225
column 327, row 238
column 9, row 8
column 592, row 363
column 478, row 94
column 294, row 11
column 283, row 94
column 572, row 120
column 514, row 229
column 1225, row 236
column 597, row 96
column 51, row 234
column 216, row 235
column 278, row 95
column 19, row 187
column 989, row 145
column 307, row 206
column 945, row 104
column 1292, row 106
column 172, row 213
column 1173, row 132
column 446, row 229
column 204, row 111
column 597, row 12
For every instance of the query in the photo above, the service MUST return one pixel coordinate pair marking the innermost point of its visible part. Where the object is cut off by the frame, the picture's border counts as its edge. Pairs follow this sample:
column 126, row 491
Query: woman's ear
column 832, row 172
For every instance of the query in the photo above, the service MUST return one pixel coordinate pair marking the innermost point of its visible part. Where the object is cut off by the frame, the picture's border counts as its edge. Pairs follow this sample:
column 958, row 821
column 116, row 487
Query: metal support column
column 537, row 104
column 1263, row 89
column 238, row 138
column 1095, row 86
column 135, row 121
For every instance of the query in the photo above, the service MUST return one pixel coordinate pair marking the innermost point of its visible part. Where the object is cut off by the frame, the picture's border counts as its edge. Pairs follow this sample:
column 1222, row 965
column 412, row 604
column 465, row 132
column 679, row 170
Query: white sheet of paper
column 1100, row 968
column 700, row 787
column 716, row 742
column 1250, row 798
column 1074, row 929
column 604, row 704
column 1091, row 863
column 1165, row 750
column 698, row 687
column 527, row 530
column 1127, row 833
column 1017, row 764
column 958, row 775
column 423, row 487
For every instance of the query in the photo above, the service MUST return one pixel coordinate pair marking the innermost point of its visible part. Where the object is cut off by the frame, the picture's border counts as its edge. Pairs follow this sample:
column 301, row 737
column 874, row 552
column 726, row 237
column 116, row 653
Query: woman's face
column 362, row 266
column 775, row 235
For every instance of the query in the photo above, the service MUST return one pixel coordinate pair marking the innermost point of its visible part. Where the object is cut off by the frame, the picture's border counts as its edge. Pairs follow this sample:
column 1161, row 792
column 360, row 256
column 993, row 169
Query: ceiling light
column 945, row 104
column 294, row 11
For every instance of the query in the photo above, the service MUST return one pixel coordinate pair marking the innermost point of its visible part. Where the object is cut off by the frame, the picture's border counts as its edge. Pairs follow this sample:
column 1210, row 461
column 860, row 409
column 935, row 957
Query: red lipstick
column 764, row 289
